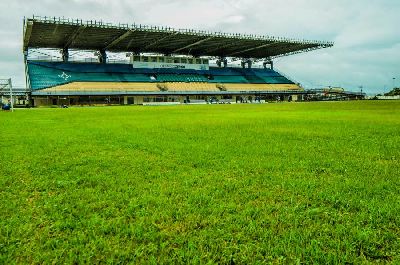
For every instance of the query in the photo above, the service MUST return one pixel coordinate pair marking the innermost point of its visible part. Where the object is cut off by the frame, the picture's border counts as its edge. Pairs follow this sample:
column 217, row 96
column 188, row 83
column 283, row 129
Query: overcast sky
column 366, row 32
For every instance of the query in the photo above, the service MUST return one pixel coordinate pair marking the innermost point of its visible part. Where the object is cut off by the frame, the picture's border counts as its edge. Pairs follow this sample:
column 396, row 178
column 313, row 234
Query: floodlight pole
column 11, row 95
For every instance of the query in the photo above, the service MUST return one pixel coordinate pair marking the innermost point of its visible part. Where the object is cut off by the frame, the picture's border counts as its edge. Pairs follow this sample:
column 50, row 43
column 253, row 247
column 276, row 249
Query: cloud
column 366, row 35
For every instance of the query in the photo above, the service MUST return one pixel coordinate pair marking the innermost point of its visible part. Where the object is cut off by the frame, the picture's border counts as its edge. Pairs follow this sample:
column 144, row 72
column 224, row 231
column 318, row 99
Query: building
column 159, row 65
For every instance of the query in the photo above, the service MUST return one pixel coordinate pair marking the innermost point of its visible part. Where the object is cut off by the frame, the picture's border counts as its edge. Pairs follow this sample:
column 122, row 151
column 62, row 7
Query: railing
column 122, row 61
column 76, row 60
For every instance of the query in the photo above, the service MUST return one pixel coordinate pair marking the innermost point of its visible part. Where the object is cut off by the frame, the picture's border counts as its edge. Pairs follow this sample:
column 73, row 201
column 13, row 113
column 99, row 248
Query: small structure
column 7, row 103
column 12, row 96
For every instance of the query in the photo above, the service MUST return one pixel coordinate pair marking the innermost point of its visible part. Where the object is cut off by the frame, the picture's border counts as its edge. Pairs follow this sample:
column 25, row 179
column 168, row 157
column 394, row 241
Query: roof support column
column 102, row 56
column 27, row 80
column 65, row 55
column 268, row 61
column 221, row 61
column 248, row 62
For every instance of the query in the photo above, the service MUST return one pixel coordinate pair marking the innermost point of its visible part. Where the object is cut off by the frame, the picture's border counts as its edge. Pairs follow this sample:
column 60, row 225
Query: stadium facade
column 162, row 65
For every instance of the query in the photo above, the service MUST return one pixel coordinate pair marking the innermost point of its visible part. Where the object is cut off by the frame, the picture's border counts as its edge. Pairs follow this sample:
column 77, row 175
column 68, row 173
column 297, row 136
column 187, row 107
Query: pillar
column 102, row 56
column 65, row 55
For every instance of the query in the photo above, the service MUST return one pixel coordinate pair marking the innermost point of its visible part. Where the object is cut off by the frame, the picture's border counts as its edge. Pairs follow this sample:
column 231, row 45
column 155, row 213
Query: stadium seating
column 89, row 76
column 180, row 78
column 228, row 79
column 260, row 87
column 196, row 86
column 105, row 86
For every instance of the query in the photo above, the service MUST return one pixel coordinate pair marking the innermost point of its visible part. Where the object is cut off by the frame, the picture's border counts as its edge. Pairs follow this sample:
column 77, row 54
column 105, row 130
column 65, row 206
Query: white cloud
column 366, row 35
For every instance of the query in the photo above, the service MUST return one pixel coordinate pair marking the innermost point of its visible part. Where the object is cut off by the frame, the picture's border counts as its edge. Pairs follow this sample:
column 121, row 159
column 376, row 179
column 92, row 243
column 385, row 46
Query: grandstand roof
column 46, row 32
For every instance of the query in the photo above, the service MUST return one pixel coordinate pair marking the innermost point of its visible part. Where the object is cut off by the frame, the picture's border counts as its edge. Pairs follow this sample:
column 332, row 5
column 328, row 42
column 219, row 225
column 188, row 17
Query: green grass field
column 238, row 184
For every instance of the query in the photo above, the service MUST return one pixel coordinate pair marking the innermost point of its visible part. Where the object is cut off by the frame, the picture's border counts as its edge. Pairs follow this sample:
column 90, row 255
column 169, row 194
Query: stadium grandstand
column 69, row 62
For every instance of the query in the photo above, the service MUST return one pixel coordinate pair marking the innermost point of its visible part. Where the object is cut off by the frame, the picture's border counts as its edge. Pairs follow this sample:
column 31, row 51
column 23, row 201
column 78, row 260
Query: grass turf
column 279, row 183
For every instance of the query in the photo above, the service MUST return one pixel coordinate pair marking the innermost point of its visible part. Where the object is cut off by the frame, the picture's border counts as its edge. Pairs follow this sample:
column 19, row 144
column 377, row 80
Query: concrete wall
column 41, row 102
column 138, row 100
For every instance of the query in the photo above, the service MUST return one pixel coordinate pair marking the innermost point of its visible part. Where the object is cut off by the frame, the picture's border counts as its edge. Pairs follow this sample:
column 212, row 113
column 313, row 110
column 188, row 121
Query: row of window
column 167, row 59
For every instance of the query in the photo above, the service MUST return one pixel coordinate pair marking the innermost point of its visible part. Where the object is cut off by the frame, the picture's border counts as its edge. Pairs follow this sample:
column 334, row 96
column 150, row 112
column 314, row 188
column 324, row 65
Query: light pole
column 11, row 95
column 394, row 83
